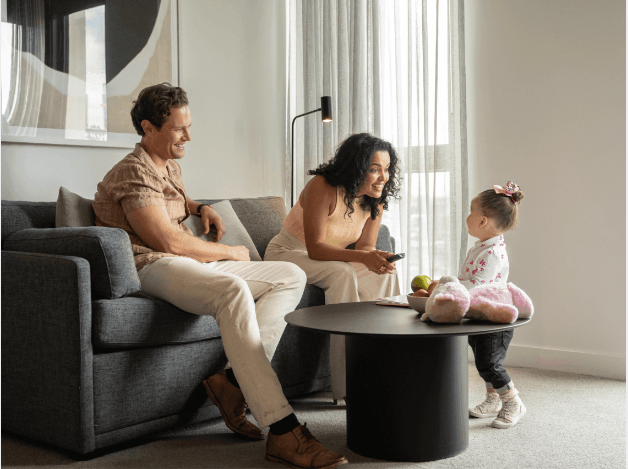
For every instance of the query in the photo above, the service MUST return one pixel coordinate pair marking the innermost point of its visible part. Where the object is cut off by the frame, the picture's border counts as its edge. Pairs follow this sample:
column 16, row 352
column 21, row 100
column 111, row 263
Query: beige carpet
column 573, row 421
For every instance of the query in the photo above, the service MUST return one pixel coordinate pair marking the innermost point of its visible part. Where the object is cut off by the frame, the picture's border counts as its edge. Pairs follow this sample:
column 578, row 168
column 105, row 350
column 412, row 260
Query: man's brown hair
column 154, row 104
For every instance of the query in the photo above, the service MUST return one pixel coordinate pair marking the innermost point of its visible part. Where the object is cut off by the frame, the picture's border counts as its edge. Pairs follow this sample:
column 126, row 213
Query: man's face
column 169, row 142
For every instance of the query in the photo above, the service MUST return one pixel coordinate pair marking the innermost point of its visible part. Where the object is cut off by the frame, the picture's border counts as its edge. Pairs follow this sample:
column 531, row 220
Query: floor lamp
column 326, row 117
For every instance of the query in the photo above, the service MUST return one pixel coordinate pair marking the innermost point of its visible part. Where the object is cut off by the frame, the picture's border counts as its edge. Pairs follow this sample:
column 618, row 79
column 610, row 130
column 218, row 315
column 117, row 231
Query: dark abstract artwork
column 71, row 68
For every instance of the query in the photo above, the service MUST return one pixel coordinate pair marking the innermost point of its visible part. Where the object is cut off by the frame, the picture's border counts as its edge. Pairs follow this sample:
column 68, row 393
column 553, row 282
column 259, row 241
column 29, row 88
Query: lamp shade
column 326, row 108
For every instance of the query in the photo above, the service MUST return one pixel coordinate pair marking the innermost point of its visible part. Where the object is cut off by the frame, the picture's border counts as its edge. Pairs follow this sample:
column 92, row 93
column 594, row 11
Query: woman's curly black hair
column 349, row 168
column 154, row 104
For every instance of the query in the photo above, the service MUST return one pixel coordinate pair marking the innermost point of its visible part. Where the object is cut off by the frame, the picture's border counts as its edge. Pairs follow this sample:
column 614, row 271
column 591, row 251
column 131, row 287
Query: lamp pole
column 326, row 117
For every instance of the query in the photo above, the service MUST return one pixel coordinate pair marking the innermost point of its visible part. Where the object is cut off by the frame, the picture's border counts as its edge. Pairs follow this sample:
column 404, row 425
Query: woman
column 342, row 205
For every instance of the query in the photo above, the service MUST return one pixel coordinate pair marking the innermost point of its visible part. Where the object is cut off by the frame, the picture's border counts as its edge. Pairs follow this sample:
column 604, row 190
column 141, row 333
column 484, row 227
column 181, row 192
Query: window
column 416, row 97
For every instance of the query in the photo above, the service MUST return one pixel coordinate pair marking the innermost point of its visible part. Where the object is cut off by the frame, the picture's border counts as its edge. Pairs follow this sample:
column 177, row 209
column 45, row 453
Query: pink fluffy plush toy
column 450, row 302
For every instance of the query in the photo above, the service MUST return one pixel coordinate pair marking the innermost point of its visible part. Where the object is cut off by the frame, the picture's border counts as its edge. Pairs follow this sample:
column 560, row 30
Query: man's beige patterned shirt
column 135, row 182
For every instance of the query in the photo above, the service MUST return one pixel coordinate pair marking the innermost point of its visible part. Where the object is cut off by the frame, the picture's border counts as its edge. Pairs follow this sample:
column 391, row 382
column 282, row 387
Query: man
column 144, row 195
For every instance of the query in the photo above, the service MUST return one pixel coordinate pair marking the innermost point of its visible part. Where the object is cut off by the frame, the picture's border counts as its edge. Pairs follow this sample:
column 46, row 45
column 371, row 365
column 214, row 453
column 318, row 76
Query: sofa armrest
column 47, row 361
column 108, row 251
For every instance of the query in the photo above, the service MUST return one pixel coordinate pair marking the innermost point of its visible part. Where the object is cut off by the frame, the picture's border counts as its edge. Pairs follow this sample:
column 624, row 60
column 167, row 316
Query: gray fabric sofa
column 88, row 362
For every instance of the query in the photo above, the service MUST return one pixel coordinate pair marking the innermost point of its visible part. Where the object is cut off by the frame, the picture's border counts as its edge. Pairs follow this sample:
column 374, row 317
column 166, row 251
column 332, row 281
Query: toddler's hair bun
column 518, row 196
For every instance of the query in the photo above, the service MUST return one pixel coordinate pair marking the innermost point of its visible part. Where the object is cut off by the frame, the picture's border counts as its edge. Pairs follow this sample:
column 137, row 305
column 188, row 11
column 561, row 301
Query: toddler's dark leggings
column 490, row 352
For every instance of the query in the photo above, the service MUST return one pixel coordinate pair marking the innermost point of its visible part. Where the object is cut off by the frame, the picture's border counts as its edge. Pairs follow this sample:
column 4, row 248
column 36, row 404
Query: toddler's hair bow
column 510, row 189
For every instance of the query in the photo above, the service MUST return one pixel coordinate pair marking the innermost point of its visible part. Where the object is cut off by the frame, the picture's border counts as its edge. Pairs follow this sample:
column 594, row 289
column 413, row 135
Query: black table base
column 407, row 397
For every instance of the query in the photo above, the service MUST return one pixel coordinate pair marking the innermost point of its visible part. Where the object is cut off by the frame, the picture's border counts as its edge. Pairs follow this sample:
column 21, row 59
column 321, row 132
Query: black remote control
column 396, row 257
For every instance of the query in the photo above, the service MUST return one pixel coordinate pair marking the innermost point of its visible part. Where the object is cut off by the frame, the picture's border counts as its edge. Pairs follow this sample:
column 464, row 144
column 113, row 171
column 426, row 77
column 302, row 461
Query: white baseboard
column 603, row 366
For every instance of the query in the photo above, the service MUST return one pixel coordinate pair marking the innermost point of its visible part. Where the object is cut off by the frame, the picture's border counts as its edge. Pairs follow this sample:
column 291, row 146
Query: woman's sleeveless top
column 341, row 230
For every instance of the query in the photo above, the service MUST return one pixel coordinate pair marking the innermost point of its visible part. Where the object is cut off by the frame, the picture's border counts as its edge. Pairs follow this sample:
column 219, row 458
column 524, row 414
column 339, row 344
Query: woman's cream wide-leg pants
column 343, row 282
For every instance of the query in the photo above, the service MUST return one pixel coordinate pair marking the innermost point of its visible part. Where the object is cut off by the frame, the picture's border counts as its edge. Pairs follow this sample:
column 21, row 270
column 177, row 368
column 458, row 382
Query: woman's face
column 376, row 176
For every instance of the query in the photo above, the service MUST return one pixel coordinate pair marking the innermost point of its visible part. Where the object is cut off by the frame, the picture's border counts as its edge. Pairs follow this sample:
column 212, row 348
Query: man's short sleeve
column 136, row 187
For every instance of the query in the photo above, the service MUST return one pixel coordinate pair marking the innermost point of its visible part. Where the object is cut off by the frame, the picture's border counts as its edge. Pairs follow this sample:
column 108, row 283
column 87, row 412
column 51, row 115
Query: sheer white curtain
column 23, row 51
column 331, row 53
column 394, row 68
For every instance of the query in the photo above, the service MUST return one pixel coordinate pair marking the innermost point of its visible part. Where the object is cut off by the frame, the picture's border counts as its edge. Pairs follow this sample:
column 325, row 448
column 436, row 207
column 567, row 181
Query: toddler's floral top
column 486, row 262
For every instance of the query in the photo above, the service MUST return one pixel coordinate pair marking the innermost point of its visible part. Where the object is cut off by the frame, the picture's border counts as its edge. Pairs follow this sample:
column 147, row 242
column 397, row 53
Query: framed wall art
column 71, row 68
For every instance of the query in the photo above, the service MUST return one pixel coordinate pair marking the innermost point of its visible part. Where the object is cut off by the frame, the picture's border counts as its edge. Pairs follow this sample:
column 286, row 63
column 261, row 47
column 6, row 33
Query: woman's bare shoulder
column 318, row 189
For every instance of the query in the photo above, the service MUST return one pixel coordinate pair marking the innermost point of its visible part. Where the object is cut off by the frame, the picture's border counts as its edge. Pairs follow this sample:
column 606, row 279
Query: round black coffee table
column 407, row 380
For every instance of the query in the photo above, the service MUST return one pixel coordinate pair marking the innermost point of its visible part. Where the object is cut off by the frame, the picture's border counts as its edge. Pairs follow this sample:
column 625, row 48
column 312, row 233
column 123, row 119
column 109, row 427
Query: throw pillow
column 236, row 234
column 73, row 210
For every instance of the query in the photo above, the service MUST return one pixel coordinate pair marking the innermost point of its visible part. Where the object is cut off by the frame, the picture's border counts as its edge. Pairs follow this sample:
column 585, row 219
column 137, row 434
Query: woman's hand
column 376, row 262
column 210, row 217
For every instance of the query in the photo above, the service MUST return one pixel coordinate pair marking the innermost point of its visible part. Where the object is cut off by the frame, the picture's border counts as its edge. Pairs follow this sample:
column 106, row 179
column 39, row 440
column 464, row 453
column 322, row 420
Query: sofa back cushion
column 18, row 216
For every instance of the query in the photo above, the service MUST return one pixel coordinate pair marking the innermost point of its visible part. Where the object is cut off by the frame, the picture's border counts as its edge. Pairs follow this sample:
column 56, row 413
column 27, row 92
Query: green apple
column 420, row 281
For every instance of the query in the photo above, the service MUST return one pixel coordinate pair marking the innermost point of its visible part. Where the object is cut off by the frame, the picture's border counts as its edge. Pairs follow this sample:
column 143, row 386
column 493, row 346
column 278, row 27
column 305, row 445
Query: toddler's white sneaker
column 489, row 408
column 512, row 410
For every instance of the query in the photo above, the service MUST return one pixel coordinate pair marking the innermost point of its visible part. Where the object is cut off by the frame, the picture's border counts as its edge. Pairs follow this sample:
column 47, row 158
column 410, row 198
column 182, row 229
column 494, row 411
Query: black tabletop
column 367, row 318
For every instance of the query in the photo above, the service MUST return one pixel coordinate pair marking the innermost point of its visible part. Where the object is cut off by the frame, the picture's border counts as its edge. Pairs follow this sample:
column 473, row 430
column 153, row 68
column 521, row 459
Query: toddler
column 493, row 212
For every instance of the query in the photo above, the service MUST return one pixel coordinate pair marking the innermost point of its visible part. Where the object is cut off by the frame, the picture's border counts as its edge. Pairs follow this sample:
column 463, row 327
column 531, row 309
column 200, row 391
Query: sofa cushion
column 108, row 251
column 312, row 296
column 139, row 321
column 73, row 210
column 262, row 217
column 143, row 322
column 236, row 234
column 18, row 216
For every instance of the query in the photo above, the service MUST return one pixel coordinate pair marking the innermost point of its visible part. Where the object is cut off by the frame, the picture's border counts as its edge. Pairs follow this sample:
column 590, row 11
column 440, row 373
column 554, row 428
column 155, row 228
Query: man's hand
column 209, row 217
column 240, row 253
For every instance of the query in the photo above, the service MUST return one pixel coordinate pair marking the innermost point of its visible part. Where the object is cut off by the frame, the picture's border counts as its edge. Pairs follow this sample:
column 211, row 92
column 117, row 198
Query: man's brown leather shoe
column 299, row 449
column 230, row 401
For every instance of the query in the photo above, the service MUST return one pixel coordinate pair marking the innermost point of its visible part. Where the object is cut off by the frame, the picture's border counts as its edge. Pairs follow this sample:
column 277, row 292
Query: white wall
column 233, row 67
column 35, row 172
column 546, row 103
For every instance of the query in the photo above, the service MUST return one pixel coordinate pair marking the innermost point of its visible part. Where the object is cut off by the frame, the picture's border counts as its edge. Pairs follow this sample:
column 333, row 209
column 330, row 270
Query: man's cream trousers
column 250, row 331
